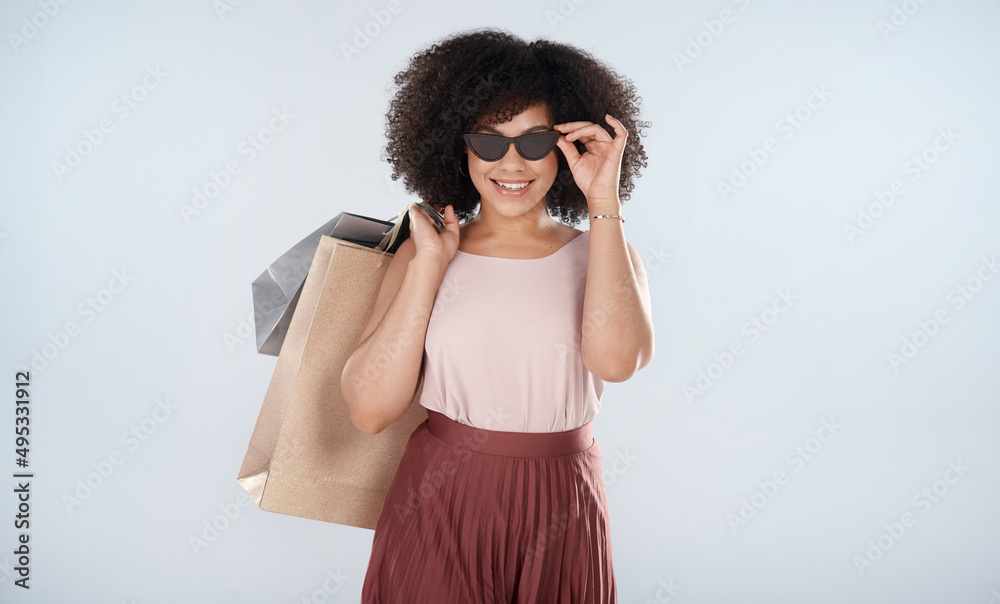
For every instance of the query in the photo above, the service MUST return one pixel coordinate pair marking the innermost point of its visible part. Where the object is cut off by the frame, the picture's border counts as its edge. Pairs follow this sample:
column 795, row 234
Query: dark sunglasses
column 532, row 147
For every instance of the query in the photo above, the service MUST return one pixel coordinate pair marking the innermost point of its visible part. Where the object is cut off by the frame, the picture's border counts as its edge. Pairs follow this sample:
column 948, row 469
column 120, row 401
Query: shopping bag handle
column 402, row 220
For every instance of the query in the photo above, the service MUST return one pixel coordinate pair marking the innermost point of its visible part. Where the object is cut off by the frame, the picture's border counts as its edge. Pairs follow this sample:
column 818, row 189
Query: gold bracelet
column 608, row 216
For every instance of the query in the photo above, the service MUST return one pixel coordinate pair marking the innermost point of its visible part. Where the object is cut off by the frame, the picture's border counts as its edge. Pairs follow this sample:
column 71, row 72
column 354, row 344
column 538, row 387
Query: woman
column 509, row 324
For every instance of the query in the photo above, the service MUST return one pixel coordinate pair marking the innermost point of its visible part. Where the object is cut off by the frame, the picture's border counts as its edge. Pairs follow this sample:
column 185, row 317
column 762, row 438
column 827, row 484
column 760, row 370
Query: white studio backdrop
column 818, row 221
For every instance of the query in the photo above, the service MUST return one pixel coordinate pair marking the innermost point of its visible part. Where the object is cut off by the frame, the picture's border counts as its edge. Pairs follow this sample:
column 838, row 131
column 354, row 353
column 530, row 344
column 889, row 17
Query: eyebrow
column 492, row 130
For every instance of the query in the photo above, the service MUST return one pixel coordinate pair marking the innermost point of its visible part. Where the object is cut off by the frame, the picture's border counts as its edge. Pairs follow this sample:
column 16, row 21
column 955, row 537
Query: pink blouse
column 502, row 350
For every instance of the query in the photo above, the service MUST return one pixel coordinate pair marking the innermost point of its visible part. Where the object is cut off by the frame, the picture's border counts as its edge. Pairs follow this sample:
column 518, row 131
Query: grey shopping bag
column 276, row 291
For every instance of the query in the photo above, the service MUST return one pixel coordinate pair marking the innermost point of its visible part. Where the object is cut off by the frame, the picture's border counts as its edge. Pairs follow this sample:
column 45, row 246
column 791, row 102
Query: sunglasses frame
column 507, row 140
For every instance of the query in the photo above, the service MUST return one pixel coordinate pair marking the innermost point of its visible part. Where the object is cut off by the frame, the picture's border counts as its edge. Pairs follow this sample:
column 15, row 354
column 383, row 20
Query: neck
column 491, row 224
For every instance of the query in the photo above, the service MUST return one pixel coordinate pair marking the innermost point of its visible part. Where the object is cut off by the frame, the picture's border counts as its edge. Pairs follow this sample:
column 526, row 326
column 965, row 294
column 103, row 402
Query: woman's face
column 512, row 169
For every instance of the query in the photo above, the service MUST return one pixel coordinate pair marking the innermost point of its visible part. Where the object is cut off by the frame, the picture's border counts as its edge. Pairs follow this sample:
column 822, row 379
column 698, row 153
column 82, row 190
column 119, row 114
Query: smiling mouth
column 512, row 186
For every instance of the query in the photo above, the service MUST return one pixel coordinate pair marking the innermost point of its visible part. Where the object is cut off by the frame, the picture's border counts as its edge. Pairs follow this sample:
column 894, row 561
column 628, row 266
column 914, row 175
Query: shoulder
column 634, row 256
column 573, row 234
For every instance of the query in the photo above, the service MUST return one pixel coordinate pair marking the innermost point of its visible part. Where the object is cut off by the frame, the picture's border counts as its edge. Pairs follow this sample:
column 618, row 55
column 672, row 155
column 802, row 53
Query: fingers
column 620, row 132
column 450, row 220
column 569, row 126
column 569, row 151
column 417, row 224
column 449, row 215
column 421, row 225
column 452, row 233
column 591, row 131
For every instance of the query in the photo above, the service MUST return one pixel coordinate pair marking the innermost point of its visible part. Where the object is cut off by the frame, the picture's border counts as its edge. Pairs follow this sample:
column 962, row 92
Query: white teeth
column 513, row 187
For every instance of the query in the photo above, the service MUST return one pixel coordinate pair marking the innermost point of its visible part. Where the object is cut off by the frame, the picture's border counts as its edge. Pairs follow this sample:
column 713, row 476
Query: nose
column 511, row 156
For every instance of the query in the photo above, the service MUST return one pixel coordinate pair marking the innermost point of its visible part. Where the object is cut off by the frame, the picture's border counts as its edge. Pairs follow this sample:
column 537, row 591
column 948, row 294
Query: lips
column 512, row 192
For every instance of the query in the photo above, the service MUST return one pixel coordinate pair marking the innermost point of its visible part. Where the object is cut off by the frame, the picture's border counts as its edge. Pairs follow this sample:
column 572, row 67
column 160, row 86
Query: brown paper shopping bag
column 305, row 457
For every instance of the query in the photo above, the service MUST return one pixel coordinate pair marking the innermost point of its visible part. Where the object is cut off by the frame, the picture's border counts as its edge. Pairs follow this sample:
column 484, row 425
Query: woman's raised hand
column 436, row 247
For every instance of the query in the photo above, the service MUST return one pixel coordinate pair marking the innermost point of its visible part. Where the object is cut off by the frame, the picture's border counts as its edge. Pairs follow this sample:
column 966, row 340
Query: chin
column 511, row 208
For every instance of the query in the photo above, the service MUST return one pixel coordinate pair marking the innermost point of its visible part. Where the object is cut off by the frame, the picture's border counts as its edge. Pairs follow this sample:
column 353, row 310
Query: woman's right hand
column 438, row 248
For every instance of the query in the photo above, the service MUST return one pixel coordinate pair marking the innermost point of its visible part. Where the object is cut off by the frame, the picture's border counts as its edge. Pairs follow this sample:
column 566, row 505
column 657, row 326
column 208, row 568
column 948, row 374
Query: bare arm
column 617, row 331
column 380, row 378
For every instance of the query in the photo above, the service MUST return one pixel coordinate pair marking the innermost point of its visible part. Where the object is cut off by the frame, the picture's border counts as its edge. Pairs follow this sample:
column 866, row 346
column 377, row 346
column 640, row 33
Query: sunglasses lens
column 487, row 147
column 537, row 145
column 532, row 146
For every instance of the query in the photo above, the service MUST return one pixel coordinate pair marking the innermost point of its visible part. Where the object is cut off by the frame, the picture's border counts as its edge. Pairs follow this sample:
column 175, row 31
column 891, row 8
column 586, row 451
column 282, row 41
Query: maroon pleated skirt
column 487, row 516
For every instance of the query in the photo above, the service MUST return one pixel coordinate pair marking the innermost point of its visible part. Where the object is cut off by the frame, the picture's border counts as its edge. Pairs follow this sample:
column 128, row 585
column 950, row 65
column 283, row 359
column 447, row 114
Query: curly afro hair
column 492, row 75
